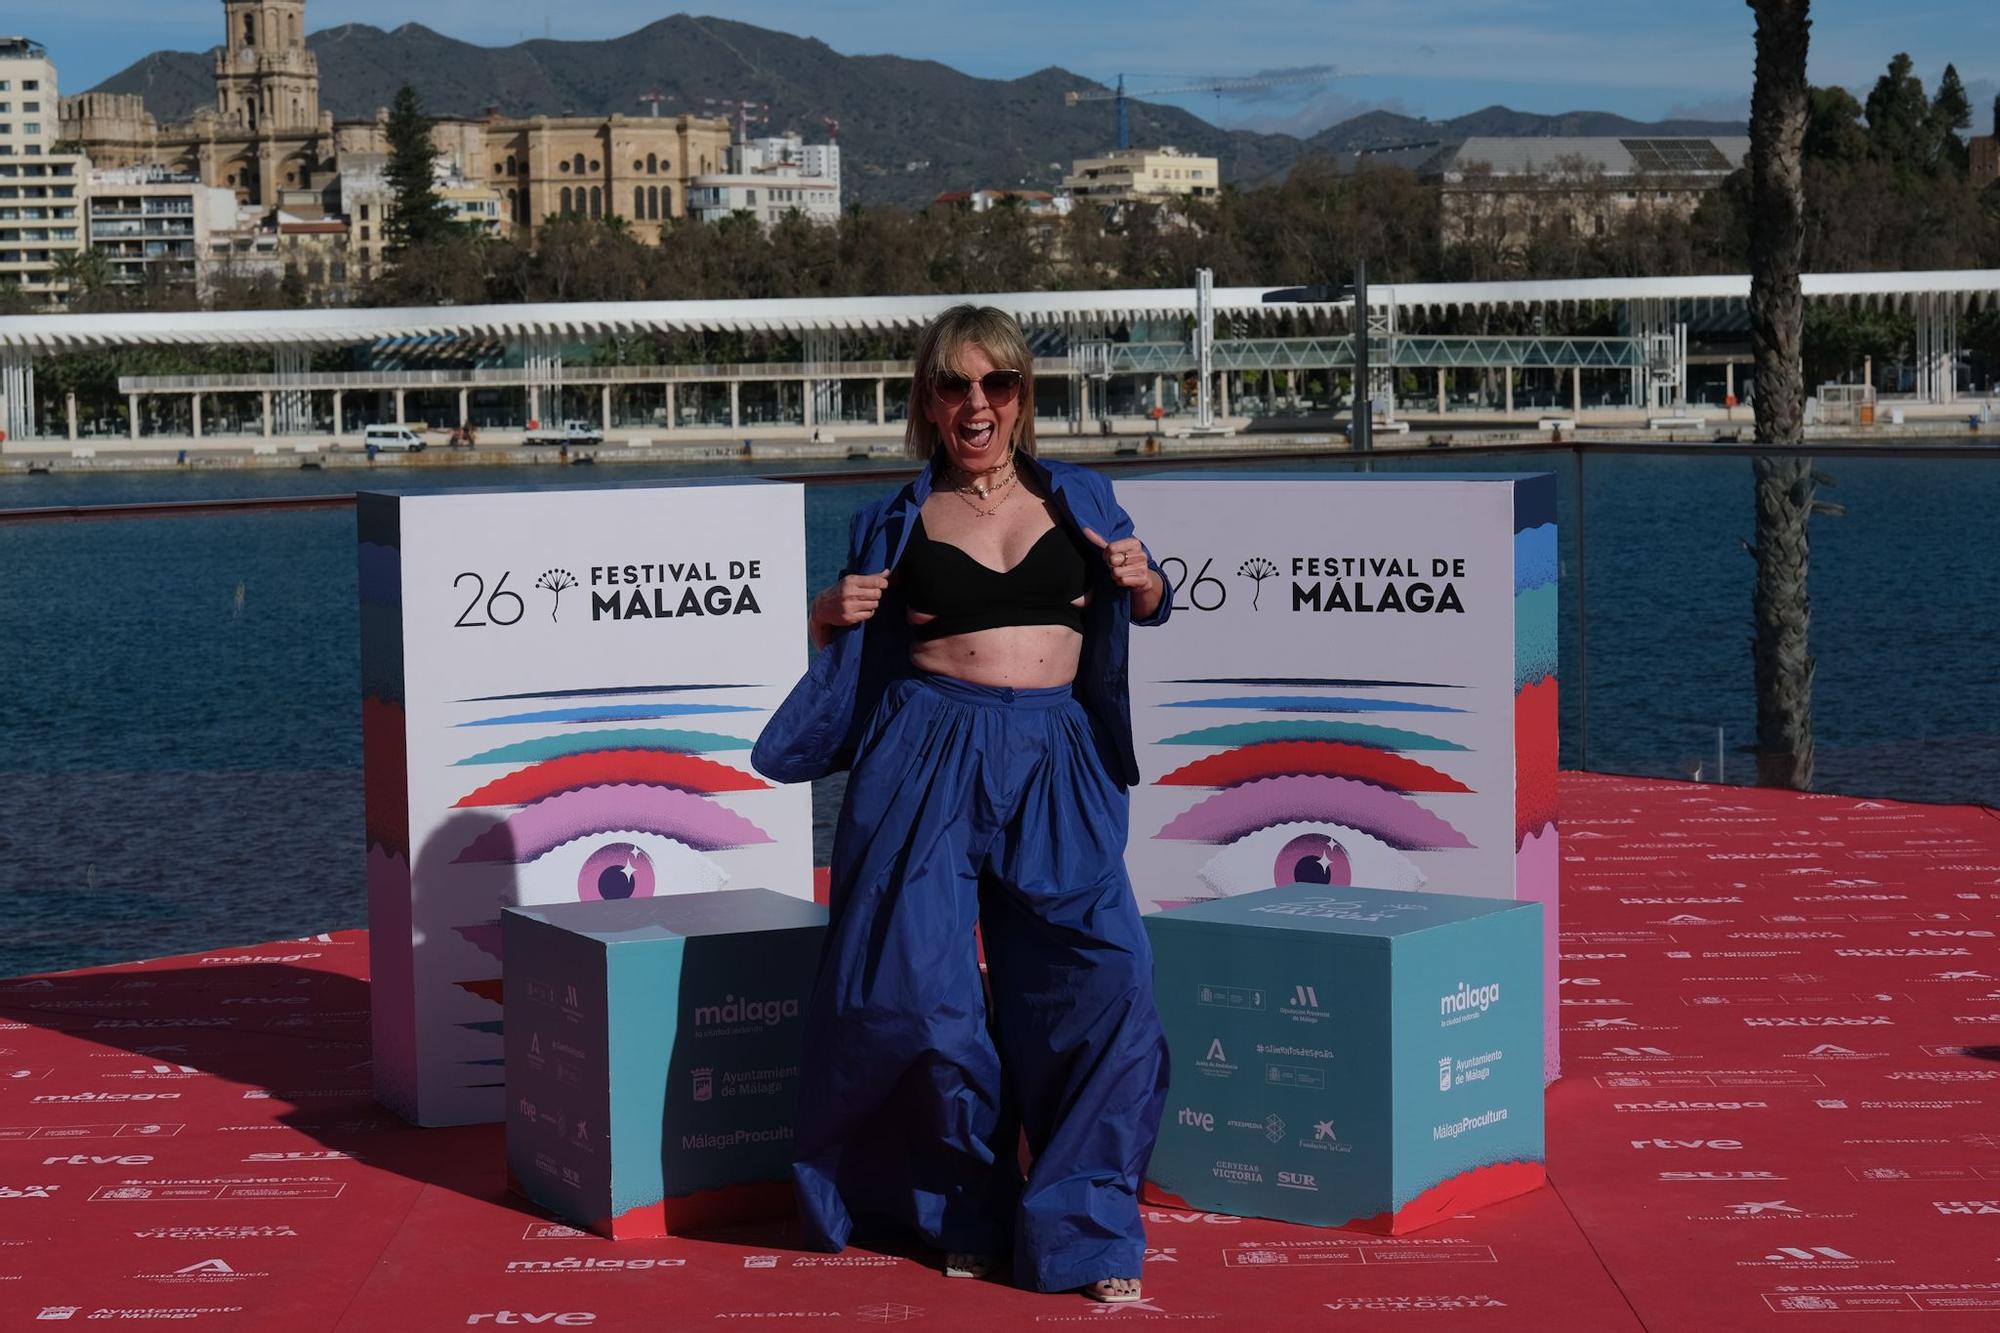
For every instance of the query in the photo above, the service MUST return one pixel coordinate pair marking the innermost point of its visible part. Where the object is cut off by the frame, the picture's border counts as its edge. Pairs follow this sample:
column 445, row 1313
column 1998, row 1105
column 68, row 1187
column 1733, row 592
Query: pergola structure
column 1093, row 335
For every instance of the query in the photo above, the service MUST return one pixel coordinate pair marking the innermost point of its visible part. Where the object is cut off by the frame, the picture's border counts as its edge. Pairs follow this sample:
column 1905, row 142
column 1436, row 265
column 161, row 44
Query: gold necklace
column 1005, row 490
column 986, row 491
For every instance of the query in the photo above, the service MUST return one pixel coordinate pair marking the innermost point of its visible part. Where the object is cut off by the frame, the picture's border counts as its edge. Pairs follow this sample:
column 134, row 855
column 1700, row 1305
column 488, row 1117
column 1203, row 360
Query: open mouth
column 976, row 434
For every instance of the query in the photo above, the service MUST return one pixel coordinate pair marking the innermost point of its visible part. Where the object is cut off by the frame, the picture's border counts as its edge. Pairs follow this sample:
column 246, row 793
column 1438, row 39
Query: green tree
column 420, row 216
column 1781, row 610
column 1951, row 111
column 1899, row 117
column 1834, row 132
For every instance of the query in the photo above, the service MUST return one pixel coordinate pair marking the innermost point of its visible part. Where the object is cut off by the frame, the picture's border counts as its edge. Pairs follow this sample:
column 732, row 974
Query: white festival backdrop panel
column 582, row 674
column 1335, row 696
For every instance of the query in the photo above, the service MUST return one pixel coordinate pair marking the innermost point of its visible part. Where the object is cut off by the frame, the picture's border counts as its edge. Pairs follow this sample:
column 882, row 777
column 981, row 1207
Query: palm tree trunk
column 1780, row 605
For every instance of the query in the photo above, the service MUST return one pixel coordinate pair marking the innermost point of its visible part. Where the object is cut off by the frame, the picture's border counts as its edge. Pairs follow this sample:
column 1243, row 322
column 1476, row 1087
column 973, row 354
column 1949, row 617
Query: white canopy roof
column 1961, row 289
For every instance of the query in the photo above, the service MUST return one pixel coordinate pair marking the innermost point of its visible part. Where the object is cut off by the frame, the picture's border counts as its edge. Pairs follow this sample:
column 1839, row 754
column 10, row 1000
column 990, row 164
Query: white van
column 400, row 439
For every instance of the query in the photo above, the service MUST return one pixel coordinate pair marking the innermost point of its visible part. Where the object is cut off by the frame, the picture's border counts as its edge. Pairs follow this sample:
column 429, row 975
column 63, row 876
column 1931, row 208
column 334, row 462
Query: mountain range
column 907, row 128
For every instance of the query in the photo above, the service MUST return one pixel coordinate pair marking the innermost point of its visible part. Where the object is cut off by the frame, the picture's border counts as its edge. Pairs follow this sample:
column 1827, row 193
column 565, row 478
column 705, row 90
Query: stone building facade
column 265, row 136
column 268, row 139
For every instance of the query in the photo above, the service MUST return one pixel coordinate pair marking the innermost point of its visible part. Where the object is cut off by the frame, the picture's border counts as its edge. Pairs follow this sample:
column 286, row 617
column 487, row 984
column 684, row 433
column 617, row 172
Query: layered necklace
column 979, row 491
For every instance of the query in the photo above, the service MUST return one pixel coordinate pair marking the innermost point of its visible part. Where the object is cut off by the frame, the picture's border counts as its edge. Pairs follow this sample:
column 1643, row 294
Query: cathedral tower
column 266, row 82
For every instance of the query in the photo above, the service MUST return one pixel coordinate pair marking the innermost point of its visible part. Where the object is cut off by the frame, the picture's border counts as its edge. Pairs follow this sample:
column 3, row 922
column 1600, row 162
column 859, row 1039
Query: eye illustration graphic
column 1386, row 815
column 1313, row 703
column 552, row 747
column 1308, row 852
column 1313, row 799
column 1334, row 759
column 608, row 814
column 571, row 772
column 606, row 713
column 618, row 840
column 1311, row 729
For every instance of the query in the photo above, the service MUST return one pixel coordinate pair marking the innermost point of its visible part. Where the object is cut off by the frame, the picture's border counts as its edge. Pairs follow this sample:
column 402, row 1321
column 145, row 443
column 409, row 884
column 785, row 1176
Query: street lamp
column 1362, row 419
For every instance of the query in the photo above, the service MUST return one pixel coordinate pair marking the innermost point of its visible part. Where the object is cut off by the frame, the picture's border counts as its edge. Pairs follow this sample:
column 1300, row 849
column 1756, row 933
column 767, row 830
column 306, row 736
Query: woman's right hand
column 852, row 600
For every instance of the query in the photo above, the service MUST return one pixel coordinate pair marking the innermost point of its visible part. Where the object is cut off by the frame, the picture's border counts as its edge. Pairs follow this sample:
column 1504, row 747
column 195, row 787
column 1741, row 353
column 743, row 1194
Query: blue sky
column 1438, row 58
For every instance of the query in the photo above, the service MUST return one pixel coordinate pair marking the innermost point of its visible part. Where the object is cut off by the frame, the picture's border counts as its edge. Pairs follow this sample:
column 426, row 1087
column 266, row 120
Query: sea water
column 180, row 749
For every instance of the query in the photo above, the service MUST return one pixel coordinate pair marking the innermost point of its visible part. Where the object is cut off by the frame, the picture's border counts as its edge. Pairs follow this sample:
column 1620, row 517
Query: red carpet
column 1781, row 1075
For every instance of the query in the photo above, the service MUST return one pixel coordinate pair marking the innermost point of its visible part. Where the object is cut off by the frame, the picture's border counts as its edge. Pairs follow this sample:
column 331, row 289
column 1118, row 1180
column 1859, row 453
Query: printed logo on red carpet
column 1321, row 1253
column 590, row 1264
column 1414, row 1304
column 202, row 1273
column 125, row 1131
column 212, row 1191
column 99, row 1159
column 1769, row 1210
column 1815, row 1257
column 1834, row 1051
column 1928, row 1296
column 1933, row 1174
column 1161, row 1217
column 552, row 1231
column 1721, row 1078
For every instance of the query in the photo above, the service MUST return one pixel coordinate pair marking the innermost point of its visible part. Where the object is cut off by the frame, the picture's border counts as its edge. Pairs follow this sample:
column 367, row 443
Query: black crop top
column 941, row 580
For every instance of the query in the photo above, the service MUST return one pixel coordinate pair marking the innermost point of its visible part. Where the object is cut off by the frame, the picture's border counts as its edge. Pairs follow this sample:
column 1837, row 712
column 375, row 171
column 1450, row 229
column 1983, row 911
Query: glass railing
column 180, row 755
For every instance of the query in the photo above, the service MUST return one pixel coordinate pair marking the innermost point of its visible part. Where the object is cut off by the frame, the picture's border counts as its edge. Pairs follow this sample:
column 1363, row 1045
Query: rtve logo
column 566, row 1319
column 1201, row 1120
column 1719, row 1145
column 81, row 1159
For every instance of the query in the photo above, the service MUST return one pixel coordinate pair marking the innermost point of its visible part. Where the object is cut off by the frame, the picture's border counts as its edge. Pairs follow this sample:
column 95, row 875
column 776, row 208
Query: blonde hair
column 940, row 347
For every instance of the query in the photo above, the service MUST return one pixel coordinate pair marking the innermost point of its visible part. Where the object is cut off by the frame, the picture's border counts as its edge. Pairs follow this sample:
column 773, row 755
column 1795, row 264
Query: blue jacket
column 815, row 730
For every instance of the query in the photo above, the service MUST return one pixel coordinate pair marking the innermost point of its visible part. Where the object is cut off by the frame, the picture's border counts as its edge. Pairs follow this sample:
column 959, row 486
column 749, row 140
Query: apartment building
column 41, row 190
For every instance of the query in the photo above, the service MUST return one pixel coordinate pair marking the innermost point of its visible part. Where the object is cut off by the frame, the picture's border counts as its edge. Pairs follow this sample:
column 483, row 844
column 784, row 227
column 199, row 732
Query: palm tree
column 82, row 274
column 1785, row 486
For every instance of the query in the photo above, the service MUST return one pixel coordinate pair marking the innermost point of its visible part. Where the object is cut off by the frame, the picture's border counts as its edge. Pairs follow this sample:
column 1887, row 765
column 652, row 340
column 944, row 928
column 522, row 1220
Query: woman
column 971, row 674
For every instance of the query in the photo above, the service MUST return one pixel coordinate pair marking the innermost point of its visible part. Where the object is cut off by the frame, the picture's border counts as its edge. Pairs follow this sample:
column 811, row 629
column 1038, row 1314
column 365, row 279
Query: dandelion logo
column 1256, row 569
column 555, row 580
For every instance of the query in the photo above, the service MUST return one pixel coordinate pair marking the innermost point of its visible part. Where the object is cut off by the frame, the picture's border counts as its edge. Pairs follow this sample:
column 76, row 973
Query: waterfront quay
column 1109, row 363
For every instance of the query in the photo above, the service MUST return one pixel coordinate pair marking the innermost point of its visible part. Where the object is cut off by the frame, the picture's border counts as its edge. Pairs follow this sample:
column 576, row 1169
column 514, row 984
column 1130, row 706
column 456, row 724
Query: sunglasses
column 999, row 386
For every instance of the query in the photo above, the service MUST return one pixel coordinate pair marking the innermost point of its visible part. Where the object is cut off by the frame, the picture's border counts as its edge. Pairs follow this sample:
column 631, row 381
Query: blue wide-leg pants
column 974, row 804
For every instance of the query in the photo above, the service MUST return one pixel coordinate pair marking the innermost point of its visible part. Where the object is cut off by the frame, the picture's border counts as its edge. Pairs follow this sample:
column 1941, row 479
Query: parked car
column 575, row 434
column 395, row 439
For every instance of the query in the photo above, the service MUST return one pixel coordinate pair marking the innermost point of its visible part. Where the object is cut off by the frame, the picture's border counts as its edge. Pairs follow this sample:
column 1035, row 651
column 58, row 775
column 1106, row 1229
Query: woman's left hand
column 1126, row 559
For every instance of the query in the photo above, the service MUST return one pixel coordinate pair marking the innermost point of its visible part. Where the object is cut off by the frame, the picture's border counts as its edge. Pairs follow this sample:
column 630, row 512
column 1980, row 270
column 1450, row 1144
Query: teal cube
column 1349, row 1057
column 653, row 1056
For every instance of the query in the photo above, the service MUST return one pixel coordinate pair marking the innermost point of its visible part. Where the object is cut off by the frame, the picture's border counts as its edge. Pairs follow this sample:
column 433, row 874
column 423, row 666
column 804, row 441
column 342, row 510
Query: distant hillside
column 893, row 112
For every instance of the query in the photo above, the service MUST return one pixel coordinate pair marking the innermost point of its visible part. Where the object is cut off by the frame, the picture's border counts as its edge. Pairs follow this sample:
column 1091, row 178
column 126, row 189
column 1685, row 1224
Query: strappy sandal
column 1114, row 1290
column 966, row 1264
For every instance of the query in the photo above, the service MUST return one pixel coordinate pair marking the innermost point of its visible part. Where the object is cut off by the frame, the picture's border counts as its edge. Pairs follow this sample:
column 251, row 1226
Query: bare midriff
column 1025, row 657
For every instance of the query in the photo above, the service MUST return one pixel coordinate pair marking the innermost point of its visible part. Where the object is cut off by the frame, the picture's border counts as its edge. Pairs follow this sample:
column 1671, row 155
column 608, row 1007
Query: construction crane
column 742, row 110
column 1217, row 86
column 653, row 100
